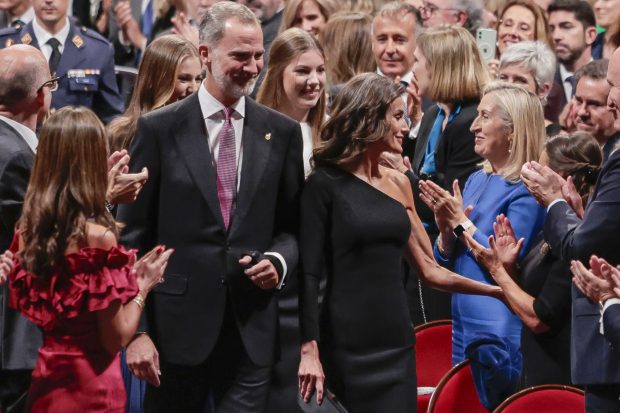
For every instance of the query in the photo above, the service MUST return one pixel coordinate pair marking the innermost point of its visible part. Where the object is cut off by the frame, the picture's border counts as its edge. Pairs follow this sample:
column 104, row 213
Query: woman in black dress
column 542, row 296
column 358, row 220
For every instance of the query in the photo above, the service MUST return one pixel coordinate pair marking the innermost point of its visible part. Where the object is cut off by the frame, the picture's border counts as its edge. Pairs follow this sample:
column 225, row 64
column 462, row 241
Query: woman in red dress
column 70, row 277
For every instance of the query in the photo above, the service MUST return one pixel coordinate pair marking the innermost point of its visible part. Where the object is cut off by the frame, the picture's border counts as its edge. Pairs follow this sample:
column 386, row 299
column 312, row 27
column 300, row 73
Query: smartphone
column 486, row 40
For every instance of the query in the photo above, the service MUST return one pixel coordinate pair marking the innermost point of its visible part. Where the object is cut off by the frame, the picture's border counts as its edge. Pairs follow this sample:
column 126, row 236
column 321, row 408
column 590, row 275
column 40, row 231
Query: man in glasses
column 25, row 97
column 464, row 13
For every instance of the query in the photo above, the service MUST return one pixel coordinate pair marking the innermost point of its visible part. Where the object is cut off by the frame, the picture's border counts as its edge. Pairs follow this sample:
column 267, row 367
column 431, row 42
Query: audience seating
column 433, row 351
column 548, row 398
column 456, row 392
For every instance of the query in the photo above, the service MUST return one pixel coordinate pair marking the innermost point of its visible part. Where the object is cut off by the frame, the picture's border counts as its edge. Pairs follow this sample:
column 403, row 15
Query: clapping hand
column 396, row 161
column 183, row 27
column 448, row 209
column 151, row 267
column 600, row 282
column 542, row 182
column 6, row 266
column 123, row 187
column 572, row 197
column 508, row 247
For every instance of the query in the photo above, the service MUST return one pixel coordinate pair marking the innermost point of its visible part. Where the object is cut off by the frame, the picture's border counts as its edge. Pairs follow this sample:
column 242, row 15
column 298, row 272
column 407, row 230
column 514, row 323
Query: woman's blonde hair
column 348, row 46
column 522, row 114
column 154, row 86
column 453, row 59
column 326, row 7
column 287, row 46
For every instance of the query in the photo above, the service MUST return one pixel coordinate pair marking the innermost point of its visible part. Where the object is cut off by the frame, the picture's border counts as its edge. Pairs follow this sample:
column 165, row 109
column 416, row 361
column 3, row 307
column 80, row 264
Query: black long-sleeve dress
column 356, row 235
column 546, row 356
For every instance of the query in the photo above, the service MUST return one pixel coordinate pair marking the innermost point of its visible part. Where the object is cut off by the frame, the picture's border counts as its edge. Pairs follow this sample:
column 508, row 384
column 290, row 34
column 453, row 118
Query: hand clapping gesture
column 599, row 283
column 6, row 266
column 448, row 209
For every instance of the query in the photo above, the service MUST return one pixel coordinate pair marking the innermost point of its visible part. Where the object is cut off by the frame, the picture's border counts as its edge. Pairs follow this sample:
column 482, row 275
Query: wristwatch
column 462, row 227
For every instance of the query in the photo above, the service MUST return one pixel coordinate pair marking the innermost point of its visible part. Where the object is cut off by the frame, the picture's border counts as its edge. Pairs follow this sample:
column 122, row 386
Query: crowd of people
column 285, row 188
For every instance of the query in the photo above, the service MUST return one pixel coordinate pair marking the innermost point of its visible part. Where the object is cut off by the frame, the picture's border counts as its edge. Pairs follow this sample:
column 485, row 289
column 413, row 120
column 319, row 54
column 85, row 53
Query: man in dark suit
column 594, row 362
column 25, row 94
column 81, row 58
column 225, row 175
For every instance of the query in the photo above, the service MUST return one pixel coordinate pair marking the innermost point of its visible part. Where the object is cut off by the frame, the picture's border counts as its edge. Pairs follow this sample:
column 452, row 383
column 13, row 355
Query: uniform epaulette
column 9, row 35
column 10, row 31
column 92, row 34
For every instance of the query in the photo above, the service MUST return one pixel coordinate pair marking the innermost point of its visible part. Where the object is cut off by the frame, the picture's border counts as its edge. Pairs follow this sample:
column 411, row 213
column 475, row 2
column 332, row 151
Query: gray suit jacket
column 20, row 338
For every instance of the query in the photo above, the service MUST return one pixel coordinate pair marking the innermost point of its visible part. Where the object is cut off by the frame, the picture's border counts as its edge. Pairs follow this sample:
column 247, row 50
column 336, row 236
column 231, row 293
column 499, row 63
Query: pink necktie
column 226, row 167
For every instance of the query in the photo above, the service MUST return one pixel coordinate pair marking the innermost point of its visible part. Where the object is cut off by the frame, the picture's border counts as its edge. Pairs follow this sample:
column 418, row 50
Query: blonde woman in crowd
column 509, row 131
column 295, row 84
column 308, row 15
column 170, row 71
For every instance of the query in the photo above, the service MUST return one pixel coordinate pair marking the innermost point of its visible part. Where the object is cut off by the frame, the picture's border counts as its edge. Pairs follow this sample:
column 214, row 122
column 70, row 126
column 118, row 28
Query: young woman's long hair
column 359, row 117
column 67, row 187
column 154, row 86
column 287, row 46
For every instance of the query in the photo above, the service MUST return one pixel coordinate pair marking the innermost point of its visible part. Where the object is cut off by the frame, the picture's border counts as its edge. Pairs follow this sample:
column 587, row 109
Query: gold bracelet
column 139, row 299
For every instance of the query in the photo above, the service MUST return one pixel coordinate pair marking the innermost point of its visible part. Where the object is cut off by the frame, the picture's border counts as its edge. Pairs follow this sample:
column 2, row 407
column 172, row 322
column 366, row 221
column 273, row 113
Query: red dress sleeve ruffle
column 93, row 279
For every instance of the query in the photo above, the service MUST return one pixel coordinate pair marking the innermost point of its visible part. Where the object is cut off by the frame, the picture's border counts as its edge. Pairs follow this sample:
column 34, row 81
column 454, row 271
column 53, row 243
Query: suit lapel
column 191, row 138
column 256, row 151
column 72, row 56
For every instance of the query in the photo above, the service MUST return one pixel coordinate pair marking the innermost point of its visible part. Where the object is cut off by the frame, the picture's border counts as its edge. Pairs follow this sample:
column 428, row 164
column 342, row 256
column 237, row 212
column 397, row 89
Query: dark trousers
column 227, row 382
column 603, row 398
column 13, row 387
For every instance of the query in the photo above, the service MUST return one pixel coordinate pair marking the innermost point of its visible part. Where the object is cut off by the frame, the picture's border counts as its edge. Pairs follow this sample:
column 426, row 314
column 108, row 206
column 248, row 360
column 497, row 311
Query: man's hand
column 572, row 197
column 143, row 359
column 595, row 282
column 568, row 117
column 6, row 266
column 264, row 275
column 394, row 161
column 543, row 183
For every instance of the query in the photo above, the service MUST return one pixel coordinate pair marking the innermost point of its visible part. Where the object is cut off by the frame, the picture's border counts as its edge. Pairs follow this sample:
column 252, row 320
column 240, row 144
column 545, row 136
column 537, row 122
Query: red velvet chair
column 456, row 392
column 433, row 356
column 548, row 398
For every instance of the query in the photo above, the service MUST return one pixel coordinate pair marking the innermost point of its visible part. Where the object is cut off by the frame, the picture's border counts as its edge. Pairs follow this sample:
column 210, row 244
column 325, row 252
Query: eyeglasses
column 52, row 84
column 429, row 9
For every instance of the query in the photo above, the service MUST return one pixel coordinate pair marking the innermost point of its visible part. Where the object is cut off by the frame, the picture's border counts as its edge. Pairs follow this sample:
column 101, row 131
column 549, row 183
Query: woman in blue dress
column 509, row 131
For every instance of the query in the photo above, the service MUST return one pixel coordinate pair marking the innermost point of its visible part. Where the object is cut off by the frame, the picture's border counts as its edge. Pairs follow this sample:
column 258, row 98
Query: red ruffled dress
column 74, row 373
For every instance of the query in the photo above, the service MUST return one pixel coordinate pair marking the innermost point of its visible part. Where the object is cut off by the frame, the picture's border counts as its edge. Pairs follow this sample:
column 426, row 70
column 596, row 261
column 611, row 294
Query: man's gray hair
column 595, row 70
column 474, row 10
column 537, row 57
column 395, row 10
column 214, row 21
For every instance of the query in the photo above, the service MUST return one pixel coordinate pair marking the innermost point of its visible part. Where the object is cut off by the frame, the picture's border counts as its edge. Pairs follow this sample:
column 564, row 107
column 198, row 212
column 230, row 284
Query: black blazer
column 178, row 207
column 20, row 339
column 454, row 155
column 593, row 360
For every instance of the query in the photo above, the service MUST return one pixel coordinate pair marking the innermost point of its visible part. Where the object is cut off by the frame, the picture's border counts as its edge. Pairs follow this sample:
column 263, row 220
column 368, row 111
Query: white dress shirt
column 26, row 133
column 212, row 112
column 43, row 36
column 306, row 134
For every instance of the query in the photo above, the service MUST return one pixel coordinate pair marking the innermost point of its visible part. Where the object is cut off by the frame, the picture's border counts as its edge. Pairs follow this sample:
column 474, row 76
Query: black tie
column 55, row 56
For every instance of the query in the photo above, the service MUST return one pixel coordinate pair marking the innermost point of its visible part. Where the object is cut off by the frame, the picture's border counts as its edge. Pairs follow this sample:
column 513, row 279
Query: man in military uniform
column 81, row 59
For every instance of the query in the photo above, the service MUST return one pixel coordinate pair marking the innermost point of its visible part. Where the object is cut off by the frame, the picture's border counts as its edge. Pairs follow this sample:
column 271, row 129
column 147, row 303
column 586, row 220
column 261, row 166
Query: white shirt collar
column 43, row 35
column 210, row 106
column 564, row 74
column 26, row 133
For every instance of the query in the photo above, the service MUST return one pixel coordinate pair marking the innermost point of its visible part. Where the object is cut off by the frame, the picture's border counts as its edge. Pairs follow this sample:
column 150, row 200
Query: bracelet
column 139, row 299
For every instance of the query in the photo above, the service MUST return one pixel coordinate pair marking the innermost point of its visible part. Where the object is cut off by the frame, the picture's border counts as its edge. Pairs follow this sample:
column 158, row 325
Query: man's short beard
column 573, row 55
column 229, row 87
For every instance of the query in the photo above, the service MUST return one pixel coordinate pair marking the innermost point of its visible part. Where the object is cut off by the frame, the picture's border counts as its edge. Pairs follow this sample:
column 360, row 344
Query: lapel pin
column 77, row 41
column 26, row 39
column 268, row 137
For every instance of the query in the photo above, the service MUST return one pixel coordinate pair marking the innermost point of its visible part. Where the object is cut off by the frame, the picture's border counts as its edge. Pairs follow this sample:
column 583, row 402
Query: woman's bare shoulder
column 98, row 236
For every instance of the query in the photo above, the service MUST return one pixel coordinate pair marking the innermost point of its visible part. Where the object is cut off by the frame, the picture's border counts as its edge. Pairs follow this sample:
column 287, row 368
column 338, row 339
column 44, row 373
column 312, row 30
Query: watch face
column 458, row 230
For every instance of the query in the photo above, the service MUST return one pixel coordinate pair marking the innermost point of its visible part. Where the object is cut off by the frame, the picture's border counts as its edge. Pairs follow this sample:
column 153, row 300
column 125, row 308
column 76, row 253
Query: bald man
column 25, row 96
